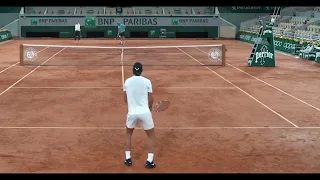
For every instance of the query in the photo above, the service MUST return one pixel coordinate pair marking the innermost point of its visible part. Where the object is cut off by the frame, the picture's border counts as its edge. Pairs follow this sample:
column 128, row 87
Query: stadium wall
column 137, row 26
column 13, row 27
column 238, row 14
column 236, row 18
column 6, row 18
column 8, row 14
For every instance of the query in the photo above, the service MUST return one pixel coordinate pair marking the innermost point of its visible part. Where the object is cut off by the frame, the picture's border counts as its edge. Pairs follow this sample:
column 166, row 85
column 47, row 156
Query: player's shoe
column 150, row 165
column 128, row 162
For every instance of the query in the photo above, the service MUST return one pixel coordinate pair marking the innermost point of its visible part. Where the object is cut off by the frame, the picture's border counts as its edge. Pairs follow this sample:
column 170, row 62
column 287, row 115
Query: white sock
column 128, row 156
column 150, row 157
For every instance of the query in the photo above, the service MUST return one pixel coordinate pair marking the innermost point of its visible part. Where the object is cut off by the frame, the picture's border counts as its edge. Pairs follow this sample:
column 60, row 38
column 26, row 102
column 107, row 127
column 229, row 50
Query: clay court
column 70, row 118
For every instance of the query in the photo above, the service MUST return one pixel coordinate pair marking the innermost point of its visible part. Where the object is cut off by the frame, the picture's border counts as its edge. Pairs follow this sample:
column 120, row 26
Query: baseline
column 163, row 128
column 122, row 70
column 30, row 72
column 267, row 107
column 270, row 85
column 118, row 87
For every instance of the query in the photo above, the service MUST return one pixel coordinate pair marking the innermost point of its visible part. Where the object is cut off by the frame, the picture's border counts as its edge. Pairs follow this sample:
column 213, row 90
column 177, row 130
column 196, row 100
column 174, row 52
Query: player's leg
column 148, row 126
column 79, row 35
column 130, row 125
column 123, row 38
column 129, row 132
column 75, row 35
column 120, row 39
column 119, row 36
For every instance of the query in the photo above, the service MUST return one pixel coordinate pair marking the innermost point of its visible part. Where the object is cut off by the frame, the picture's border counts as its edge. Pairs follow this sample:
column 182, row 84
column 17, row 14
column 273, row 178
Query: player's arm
column 150, row 97
column 118, row 33
column 125, row 94
column 125, row 97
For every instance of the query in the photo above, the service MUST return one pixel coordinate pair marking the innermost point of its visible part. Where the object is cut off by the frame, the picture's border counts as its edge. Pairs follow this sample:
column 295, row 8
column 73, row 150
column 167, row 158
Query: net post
column 21, row 55
column 223, row 54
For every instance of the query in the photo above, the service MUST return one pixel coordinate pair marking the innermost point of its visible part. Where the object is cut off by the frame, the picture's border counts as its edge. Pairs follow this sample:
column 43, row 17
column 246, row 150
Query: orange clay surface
column 221, row 119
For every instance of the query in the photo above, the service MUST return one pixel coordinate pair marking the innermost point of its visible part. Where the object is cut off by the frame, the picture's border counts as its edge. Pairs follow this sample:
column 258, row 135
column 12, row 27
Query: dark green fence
column 111, row 31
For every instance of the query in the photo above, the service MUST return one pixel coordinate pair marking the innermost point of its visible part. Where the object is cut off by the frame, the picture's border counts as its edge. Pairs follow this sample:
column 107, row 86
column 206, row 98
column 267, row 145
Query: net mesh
column 59, row 55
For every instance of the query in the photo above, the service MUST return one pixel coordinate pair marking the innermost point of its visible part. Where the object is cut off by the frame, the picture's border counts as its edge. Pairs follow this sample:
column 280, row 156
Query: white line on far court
column 162, row 128
column 284, row 118
column 118, row 87
column 122, row 71
column 30, row 72
column 18, row 62
column 270, row 85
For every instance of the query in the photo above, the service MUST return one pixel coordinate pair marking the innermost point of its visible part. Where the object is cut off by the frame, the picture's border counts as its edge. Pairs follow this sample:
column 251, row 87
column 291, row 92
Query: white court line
column 117, row 87
column 30, row 72
column 9, row 67
column 122, row 71
column 240, row 89
column 270, row 85
column 18, row 62
column 162, row 128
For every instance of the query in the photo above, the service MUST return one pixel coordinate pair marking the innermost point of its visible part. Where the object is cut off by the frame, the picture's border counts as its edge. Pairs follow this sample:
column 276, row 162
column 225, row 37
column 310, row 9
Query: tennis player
column 138, row 95
column 121, row 30
column 77, row 31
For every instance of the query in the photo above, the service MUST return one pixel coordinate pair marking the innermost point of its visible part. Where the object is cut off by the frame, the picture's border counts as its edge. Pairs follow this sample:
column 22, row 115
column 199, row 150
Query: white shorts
column 145, row 120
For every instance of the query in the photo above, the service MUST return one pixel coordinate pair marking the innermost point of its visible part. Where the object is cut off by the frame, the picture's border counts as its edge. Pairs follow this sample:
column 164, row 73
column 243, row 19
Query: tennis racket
column 161, row 106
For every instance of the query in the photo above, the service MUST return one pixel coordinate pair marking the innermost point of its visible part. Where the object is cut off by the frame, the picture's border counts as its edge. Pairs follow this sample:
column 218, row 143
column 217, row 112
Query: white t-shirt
column 77, row 27
column 137, row 89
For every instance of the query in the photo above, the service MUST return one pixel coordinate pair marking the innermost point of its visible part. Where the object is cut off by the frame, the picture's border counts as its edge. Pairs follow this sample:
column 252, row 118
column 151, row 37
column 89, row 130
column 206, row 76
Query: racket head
column 161, row 106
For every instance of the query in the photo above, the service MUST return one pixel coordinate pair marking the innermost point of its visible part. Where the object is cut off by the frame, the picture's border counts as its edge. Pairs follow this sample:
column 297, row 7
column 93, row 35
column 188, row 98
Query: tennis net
column 61, row 55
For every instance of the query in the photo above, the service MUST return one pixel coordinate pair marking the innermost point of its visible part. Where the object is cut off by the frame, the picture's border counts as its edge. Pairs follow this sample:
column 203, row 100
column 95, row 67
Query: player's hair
column 137, row 69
